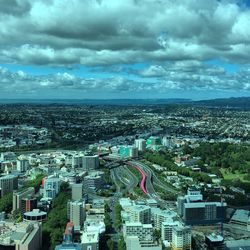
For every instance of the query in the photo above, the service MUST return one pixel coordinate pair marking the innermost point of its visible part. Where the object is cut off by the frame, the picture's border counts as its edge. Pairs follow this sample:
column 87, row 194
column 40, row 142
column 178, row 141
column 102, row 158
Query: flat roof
column 241, row 215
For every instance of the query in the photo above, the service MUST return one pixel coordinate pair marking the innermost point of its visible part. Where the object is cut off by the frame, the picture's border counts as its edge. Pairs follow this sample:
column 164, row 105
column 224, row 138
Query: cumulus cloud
column 201, row 78
column 107, row 32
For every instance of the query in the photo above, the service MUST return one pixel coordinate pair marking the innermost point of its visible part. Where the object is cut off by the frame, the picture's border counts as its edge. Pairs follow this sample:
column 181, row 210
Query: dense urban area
column 136, row 177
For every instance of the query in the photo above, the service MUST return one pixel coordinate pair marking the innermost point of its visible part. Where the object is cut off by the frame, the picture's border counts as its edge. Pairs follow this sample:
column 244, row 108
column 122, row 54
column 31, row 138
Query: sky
column 119, row 49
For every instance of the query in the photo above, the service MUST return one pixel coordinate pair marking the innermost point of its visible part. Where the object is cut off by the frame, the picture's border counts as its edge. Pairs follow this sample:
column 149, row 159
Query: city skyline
column 108, row 49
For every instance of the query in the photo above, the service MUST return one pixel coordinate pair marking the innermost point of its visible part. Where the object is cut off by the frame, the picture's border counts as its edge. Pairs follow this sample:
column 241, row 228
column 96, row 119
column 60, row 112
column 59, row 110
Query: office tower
column 77, row 191
column 90, row 240
column 90, row 162
column 94, row 181
column 77, row 213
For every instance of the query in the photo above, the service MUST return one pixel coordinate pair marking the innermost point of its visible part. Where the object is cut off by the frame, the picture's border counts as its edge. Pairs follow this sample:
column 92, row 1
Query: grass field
column 233, row 176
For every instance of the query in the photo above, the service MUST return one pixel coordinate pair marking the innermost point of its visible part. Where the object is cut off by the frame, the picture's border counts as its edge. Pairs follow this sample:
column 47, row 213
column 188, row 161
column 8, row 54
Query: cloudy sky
column 100, row 49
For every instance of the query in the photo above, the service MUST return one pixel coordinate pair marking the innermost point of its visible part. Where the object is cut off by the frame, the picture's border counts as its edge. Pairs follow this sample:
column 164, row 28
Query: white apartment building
column 140, row 213
column 181, row 238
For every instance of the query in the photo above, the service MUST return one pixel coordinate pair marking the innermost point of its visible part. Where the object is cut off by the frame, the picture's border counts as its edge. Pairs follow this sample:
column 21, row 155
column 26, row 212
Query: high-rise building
column 90, row 162
column 77, row 191
column 8, row 183
column 18, row 196
column 140, row 144
column 76, row 213
column 22, row 165
column 181, row 238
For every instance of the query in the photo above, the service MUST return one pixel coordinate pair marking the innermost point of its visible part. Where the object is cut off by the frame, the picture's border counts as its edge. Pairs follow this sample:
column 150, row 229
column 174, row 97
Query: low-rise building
column 21, row 236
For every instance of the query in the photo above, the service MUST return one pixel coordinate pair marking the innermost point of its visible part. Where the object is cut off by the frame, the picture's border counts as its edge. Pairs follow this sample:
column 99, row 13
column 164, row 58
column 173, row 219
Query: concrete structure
column 197, row 213
column 181, row 238
column 90, row 241
column 241, row 217
column 8, row 183
column 140, row 213
column 22, row 165
column 214, row 242
column 22, row 236
column 128, row 151
column 8, row 156
column 139, row 236
column 35, row 215
column 69, row 246
column 167, row 229
column 18, row 196
column 28, row 204
column 77, row 191
column 159, row 216
column 90, row 162
column 76, row 213
column 94, row 180
column 51, row 187
column 194, row 211
column 153, row 142
column 140, row 144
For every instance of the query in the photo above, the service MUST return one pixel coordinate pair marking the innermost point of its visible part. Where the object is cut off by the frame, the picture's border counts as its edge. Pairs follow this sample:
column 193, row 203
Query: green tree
column 6, row 203
column 110, row 244
column 121, row 244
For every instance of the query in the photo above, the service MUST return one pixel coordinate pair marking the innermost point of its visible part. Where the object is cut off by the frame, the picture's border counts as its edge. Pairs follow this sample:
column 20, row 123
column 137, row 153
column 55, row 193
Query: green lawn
column 231, row 176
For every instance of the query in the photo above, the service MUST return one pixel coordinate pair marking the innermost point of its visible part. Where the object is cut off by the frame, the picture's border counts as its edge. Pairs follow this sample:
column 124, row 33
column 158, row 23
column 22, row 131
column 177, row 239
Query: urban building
column 94, row 180
column 159, row 216
column 140, row 213
column 77, row 191
column 215, row 242
column 35, row 215
column 90, row 241
column 140, row 144
column 181, row 238
column 139, row 236
column 128, row 151
column 51, row 187
column 7, row 156
column 194, row 211
column 90, row 162
column 28, row 204
column 8, row 183
column 76, row 214
column 153, row 142
column 22, row 236
column 19, row 195
column 22, row 165
column 167, row 229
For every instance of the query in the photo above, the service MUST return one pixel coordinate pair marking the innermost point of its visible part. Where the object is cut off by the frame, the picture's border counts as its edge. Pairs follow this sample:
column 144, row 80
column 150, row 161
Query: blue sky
column 124, row 49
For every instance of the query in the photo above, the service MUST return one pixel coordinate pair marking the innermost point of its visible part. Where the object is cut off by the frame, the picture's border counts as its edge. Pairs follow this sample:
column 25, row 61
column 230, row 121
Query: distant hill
column 97, row 101
column 233, row 102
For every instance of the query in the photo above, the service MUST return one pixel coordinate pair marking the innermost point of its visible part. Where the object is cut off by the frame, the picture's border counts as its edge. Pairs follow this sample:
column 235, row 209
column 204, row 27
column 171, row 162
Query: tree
column 121, row 244
column 110, row 244
column 6, row 203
